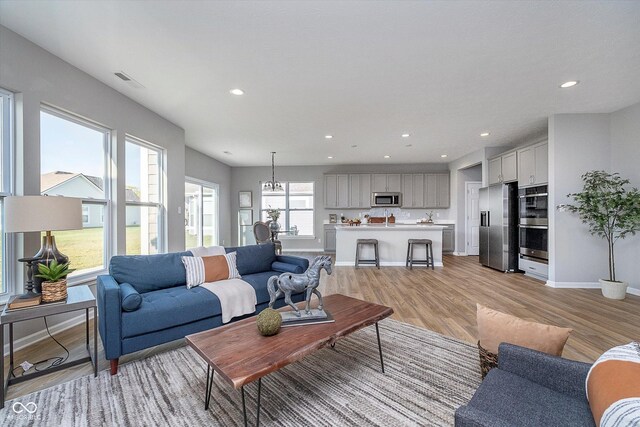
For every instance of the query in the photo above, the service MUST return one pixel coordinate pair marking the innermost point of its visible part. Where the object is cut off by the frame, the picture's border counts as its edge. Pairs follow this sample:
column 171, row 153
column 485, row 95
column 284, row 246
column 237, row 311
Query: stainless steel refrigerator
column 499, row 227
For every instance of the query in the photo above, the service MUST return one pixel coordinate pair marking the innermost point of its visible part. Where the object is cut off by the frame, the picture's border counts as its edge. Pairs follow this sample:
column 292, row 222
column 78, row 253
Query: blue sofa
column 144, row 301
column 529, row 388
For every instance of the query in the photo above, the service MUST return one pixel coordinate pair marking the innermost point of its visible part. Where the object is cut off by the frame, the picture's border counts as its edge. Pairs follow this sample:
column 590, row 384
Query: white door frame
column 466, row 213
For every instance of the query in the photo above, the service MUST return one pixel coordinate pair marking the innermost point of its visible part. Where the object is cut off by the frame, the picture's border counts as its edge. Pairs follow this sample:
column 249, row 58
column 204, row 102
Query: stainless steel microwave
column 386, row 200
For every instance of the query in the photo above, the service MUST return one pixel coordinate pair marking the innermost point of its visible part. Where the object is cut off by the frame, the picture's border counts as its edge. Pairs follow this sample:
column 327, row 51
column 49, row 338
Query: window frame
column 90, row 274
column 288, row 209
column 7, row 146
column 160, row 205
column 216, row 188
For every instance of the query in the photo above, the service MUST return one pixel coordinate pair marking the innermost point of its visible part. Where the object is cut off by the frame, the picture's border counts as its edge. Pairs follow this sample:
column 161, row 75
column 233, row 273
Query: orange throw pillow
column 210, row 268
column 495, row 327
column 613, row 387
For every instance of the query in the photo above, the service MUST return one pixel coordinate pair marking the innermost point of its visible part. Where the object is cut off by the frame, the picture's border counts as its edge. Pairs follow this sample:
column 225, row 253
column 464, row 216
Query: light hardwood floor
column 443, row 300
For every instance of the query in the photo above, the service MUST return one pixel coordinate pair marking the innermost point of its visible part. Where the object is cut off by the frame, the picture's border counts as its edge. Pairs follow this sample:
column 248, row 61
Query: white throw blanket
column 236, row 296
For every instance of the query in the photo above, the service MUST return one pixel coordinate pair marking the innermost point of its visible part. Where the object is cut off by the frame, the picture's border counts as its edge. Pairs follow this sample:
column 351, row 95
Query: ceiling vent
column 128, row 79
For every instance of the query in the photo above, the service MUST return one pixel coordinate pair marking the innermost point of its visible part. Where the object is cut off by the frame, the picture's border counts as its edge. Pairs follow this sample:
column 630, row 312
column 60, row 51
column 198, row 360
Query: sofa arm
column 562, row 375
column 109, row 313
column 295, row 260
column 467, row 416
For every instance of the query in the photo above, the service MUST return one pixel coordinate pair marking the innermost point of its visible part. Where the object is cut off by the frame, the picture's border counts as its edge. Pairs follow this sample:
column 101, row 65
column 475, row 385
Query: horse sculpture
column 288, row 283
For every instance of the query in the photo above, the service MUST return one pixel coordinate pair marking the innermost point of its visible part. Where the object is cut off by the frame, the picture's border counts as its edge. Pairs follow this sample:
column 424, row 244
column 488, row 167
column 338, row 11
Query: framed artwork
column 245, row 199
column 245, row 217
column 333, row 218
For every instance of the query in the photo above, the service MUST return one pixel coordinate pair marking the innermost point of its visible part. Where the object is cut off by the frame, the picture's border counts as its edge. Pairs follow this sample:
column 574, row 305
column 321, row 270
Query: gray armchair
column 529, row 388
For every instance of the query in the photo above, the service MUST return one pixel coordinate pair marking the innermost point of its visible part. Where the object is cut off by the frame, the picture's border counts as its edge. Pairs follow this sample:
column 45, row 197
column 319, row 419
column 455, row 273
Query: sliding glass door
column 200, row 213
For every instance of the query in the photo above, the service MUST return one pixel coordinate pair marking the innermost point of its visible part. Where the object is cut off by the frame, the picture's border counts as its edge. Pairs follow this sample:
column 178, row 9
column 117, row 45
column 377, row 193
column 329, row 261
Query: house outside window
column 200, row 213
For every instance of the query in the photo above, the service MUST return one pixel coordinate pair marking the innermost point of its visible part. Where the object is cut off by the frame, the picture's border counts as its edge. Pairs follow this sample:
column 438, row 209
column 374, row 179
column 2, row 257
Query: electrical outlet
column 437, row 214
column 319, row 240
column 179, row 209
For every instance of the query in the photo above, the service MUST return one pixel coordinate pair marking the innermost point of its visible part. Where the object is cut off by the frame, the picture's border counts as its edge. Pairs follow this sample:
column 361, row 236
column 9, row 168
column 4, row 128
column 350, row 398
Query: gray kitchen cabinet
column 343, row 190
column 387, row 182
column 503, row 169
column 360, row 190
column 449, row 239
column 407, row 191
column 330, row 191
column 430, row 190
column 533, row 168
column 413, row 190
column 330, row 238
column 442, row 190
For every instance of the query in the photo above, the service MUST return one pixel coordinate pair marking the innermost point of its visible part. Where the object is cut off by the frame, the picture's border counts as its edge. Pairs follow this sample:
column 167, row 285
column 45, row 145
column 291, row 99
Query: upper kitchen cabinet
column 503, row 169
column 442, row 193
column 533, row 168
column 386, row 182
column 413, row 190
column 360, row 190
column 336, row 191
column 436, row 190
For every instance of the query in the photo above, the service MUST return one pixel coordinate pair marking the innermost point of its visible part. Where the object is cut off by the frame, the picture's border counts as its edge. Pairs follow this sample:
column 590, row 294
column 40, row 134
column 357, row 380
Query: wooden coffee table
column 239, row 354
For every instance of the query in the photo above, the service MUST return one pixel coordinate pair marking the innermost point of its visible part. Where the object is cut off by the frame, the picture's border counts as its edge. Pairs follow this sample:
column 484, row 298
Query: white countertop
column 399, row 222
column 390, row 227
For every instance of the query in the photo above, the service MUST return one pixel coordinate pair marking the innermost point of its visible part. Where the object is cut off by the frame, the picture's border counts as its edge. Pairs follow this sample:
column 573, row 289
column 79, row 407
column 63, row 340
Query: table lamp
column 25, row 214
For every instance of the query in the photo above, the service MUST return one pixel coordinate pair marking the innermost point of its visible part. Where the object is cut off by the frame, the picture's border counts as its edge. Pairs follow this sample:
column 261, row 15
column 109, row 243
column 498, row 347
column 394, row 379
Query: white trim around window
column 8, row 272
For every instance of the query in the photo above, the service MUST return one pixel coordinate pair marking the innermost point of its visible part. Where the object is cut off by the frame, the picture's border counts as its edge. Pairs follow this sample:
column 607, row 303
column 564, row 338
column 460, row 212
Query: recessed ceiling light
column 387, row 157
column 328, row 136
column 227, row 152
column 354, row 146
column 406, row 135
column 570, row 83
column 237, row 92
column 443, row 155
column 485, row 134
column 409, row 145
column 329, row 157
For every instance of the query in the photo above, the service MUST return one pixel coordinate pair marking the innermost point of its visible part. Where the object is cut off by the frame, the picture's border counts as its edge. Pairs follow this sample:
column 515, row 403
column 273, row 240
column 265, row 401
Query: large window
column 144, row 194
column 296, row 208
column 6, row 121
column 74, row 162
column 200, row 214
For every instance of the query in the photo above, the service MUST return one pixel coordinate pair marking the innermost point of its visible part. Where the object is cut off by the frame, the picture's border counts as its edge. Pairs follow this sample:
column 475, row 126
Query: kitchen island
column 392, row 242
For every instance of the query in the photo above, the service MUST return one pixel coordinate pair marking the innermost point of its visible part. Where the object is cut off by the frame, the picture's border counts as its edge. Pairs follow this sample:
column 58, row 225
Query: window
column 200, row 213
column 6, row 137
column 144, row 196
column 296, row 208
column 74, row 162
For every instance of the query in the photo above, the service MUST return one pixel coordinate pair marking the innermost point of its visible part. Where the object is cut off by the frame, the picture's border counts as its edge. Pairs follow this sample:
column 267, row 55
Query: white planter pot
column 614, row 290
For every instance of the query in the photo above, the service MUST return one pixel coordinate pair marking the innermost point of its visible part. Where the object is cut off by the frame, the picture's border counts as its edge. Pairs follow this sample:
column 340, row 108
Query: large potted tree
column 611, row 209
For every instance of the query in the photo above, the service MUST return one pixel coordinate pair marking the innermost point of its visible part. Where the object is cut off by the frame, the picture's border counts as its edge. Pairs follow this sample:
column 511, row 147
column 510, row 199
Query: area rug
column 427, row 377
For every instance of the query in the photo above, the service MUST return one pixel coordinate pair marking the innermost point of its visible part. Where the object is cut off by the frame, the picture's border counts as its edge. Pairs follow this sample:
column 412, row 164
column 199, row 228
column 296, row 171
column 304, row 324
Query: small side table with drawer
column 78, row 298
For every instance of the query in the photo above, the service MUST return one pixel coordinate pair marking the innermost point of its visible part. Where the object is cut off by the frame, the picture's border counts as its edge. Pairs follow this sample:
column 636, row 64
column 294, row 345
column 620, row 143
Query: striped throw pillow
column 210, row 268
column 613, row 387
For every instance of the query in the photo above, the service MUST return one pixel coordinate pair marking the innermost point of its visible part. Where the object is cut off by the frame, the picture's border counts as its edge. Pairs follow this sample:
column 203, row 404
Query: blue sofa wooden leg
column 114, row 366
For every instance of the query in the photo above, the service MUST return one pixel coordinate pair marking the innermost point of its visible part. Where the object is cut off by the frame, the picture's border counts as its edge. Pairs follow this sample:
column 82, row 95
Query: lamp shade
column 23, row 214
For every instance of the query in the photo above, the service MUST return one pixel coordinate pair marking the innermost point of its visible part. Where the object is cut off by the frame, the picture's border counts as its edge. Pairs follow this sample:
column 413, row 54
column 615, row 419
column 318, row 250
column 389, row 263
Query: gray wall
column 204, row 168
column 625, row 158
column 248, row 179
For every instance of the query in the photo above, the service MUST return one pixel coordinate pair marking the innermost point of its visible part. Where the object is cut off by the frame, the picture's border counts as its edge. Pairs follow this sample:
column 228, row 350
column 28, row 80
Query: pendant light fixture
column 273, row 185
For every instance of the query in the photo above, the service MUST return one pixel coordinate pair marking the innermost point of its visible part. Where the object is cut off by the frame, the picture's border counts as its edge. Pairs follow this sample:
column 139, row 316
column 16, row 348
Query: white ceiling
column 365, row 72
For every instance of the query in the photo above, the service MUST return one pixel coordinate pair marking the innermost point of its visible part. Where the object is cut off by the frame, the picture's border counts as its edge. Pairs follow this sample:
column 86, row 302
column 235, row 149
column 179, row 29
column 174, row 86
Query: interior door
column 472, row 233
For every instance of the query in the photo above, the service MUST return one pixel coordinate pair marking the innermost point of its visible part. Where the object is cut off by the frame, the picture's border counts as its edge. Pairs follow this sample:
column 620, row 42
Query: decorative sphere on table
column 269, row 322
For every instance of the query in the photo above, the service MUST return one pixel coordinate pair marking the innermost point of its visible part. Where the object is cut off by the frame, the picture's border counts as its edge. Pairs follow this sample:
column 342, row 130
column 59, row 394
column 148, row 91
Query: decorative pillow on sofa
column 613, row 387
column 210, row 269
column 495, row 327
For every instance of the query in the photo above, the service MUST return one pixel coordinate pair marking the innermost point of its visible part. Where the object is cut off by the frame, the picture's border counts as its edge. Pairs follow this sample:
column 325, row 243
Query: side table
column 78, row 298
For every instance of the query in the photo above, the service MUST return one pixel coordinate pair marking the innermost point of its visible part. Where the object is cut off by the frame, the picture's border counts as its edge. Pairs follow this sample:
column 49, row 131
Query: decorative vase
column 54, row 291
column 274, row 226
column 614, row 290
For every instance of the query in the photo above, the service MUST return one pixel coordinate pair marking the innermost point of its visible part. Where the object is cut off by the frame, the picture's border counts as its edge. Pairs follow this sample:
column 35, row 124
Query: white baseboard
column 382, row 264
column 460, row 254
column 585, row 285
column 33, row 338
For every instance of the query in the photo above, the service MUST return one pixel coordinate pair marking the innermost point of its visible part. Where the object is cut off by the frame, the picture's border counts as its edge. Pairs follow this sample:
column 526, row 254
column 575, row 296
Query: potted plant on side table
column 612, row 211
column 54, row 287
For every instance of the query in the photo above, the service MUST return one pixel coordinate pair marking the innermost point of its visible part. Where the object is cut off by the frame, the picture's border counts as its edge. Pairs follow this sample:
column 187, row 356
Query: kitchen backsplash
column 399, row 213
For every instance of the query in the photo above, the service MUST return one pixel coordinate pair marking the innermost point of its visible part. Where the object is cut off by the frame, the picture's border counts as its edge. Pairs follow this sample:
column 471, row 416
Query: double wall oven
column 534, row 223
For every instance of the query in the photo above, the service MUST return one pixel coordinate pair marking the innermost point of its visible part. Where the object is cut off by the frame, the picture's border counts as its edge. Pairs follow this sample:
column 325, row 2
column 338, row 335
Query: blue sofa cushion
column 130, row 299
column 167, row 308
column 521, row 402
column 254, row 258
column 285, row 267
column 149, row 272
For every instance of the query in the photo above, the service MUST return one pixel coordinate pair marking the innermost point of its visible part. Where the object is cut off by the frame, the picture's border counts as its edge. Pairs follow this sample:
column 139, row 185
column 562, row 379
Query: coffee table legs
column 244, row 407
column 380, row 347
column 207, row 393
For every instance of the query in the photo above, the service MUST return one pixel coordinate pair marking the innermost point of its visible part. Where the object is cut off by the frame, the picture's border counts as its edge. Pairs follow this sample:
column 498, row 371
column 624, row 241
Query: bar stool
column 373, row 242
column 428, row 247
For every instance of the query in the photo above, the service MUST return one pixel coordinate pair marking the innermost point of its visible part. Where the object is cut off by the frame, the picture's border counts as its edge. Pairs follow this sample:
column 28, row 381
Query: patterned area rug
column 427, row 377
